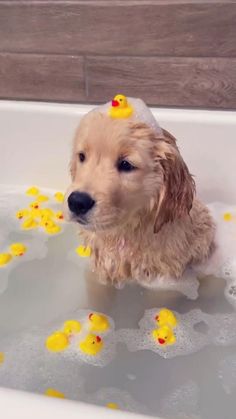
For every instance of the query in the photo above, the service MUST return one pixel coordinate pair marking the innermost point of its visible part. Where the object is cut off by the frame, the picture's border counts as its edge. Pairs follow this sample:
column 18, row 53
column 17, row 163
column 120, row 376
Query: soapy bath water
column 194, row 378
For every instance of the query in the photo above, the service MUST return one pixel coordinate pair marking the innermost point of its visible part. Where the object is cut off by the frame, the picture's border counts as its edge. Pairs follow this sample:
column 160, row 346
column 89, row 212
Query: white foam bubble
column 188, row 340
column 182, row 402
column 28, row 365
column 36, row 250
column 131, row 377
column 74, row 353
column 141, row 113
column 12, row 199
column 220, row 329
column 222, row 263
column 187, row 285
column 227, row 373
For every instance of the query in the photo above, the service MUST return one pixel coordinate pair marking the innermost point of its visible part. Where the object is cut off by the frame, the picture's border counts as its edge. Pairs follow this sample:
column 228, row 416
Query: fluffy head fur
column 143, row 223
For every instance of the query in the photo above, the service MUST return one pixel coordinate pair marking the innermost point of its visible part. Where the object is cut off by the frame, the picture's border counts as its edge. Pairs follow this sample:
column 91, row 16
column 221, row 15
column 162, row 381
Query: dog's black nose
column 80, row 203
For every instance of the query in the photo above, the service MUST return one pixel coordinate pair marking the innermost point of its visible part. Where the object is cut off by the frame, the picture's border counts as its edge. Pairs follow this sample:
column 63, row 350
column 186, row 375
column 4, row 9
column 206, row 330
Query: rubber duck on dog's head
column 120, row 108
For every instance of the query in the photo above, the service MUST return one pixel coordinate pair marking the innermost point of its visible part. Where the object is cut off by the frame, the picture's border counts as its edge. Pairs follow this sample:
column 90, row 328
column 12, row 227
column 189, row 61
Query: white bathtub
column 35, row 142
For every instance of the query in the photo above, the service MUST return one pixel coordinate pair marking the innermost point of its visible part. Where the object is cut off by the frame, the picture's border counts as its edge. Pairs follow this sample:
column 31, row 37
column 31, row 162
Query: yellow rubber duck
column 92, row 345
column 35, row 213
column 2, row 357
column 120, row 108
column 22, row 214
column 47, row 213
column 5, row 258
column 42, row 198
column 53, row 229
column 18, row 249
column 227, row 216
column 164, row 335
column 59, row 196
column 46, row 222
column 34, row 205
column 57, row 342
column 166, row 317
column 112, row 406
column 52, row 392
column 98, row 322
column 32, row 191
column 71, row 327
column 83, row 251
column 50, row 227
column 29, row 224
column 59, row 215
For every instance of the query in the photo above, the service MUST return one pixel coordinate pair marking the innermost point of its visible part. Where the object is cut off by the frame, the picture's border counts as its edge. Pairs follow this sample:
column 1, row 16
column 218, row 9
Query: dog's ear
column 175, row 198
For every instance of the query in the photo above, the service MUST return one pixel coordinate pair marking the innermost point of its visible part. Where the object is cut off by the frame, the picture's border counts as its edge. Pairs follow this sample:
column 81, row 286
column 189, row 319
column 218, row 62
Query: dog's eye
column 81, row 157
column 125, row 166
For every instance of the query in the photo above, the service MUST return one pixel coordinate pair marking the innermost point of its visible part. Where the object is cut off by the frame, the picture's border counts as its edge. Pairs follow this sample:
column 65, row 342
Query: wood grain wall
column 169, row 52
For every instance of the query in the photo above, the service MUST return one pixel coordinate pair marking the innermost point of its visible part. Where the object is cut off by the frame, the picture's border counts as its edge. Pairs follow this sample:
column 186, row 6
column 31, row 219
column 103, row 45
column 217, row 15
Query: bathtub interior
column 196, row 378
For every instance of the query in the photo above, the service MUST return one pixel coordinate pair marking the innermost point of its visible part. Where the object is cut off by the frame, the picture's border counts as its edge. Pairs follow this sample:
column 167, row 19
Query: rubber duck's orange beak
column 98, row 339
column 114, row 103
column 161, row 341
column 90, row 316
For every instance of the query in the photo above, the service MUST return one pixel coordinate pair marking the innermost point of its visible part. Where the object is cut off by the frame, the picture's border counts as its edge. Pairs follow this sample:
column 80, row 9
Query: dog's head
column 120, row 169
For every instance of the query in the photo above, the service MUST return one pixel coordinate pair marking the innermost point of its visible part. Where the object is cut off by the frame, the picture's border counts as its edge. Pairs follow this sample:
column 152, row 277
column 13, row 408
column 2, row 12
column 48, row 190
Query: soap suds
column 182, row 403
column 227, row 374
column 220, row 330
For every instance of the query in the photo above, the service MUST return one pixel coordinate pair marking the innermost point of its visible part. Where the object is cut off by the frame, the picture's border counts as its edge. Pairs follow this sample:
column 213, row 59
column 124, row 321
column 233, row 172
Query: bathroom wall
column 169, row 52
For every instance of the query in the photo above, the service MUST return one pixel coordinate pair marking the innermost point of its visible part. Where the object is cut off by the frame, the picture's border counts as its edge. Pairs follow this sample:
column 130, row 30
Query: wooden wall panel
column 169, row 52
column 42, row 77
column 195, row 82
column 129, row 28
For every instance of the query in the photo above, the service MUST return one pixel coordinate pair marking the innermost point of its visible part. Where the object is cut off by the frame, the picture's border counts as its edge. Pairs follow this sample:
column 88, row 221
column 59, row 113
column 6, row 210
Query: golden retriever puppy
column 133, row 199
